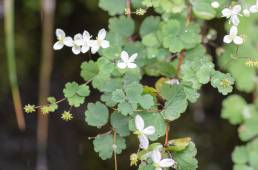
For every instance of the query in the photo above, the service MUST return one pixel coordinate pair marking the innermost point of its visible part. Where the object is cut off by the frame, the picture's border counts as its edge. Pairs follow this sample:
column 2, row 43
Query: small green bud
column 29, row 108
column 67, row 116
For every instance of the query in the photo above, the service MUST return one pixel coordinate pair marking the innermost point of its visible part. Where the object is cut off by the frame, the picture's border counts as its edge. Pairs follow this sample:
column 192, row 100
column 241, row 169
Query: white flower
column 254, row 8
column 161, row 163
column 215, row 4
column 99, row 42
column 233, row 36
column 143, row 132
column 126, row 61
column 246, row 13
column 76, row 44
column 85, row 42
column 232, row 14
column 61, row 40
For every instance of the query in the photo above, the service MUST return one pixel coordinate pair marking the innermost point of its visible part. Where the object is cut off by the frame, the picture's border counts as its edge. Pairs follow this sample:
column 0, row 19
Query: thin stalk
column 10, row 50
column 48, row 7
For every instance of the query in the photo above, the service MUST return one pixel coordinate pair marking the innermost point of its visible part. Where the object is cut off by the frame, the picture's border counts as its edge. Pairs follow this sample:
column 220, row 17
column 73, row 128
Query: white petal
column 102, row 34
column 68, row 41
column 133, row 57
column 226, row 12
column 233, row 30
column 150, row 130
column 58, row 45
column 156, row 156
column 139, row 123
column 124, row 56
column 227, row 39
column 253, row 9
column 215, row 4
column 236, row 9
column 158, row 168
column 94, row 46
column 85, row 48
column 238, row 40
column 60, row 34
column 131, row 65
column 76, row 50
column 121, row 65
column 78, row 39
column 86, row 35
column 256, row 2
column 235, row 20
column 104, row 44
column 164, row 163
column 144, row 142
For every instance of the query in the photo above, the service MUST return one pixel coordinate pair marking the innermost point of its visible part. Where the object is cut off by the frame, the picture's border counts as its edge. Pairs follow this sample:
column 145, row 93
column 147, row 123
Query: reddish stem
column 167, row 131
column 128, row 7
column 180, row 61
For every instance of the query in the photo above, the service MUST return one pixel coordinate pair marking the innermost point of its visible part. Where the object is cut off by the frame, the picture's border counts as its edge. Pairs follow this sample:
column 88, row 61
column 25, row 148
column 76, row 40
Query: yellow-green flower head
column 133, row 159
column 29, row 108
column 140, row 11
column 45, row 110
column 67, row 116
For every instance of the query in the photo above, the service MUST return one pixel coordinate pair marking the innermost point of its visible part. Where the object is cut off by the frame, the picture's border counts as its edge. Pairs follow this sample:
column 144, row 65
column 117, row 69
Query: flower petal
column 104, row 44
column 86, row 35
column 139, row 123
column 76, row 49
column 156, row 156
column 121, row 65
column 236, row 9
column 150, row 130
column 60, row 34
column 58, row 45
column 233, row 31
column 68, row 41
column 94, row 46
column 158, row 168
column 144, row 142
column 102, row 34
column 78, row 39
column 227, row 39
column 226, row 12
column 133, row 57
column 131, row 65
column 238, row 40
column 253, row 9
column 124, row 56
column 235, row 20
column 164, row 163
column 85, row 48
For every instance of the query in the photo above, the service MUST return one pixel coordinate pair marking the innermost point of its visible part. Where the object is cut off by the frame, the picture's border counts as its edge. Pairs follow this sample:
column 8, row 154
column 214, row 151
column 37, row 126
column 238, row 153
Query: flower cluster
column 126, row 61
column 233, row 14
column 81, row 43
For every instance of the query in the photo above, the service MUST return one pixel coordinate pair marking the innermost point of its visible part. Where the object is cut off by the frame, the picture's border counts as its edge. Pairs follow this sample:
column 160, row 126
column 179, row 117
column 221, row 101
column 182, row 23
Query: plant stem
column 128, row 7
column 10, row 50
column 167, row 133
column 180, row 61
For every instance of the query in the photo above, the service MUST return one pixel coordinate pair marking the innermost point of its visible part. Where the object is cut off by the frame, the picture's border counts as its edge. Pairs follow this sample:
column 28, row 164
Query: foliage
column 170, row 46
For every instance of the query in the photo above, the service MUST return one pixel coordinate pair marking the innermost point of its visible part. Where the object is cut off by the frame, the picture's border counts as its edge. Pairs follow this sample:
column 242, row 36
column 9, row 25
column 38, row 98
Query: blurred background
column 68, row 146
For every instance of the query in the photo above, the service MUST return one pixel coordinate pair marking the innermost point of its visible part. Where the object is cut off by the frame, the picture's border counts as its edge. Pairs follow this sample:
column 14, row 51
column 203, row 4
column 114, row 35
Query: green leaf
column 125, row 108
column 178, row 145
column 113, row 6
column 202, row 9
column 133, row 92
column 240, row 155
column 149, row 25
column 186, row 159
column 144, row 166
column 146, row 101
column 89, row 70
column 120, row 123
column 96, row 114
column 52, row 106
column 118, row 96
column 76, row 94
column 176, row 101
column 103, row 144
column 151, row 40
column 233, row 114
column 122, row 25
column 249, row 129
column 223, row 82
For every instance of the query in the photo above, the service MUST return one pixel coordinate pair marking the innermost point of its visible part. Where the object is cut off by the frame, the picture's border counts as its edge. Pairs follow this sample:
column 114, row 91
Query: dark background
column 68, row 144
